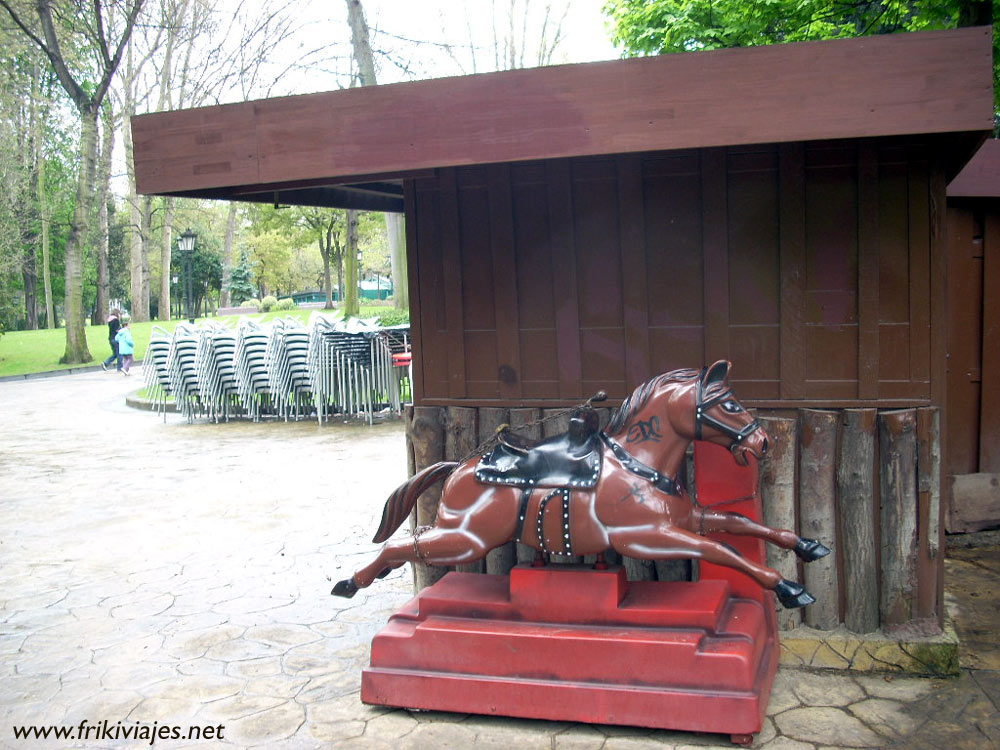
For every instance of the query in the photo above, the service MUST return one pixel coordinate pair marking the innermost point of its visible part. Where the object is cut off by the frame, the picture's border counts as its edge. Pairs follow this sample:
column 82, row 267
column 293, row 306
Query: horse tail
column 402, row 500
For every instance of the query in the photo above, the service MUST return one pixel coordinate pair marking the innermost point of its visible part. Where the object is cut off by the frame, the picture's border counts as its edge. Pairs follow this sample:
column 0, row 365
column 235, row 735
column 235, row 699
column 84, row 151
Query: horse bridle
column 701, row 417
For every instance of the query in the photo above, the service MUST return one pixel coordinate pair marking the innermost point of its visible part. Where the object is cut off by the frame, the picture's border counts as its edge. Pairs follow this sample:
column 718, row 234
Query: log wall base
column 571, row 643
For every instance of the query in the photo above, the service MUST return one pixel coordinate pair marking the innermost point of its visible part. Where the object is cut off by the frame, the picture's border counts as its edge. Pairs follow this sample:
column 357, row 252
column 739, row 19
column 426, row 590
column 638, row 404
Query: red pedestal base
column 577, row 644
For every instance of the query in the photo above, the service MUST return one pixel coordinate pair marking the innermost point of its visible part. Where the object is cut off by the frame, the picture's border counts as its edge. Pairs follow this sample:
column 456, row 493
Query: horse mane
column 631, row 405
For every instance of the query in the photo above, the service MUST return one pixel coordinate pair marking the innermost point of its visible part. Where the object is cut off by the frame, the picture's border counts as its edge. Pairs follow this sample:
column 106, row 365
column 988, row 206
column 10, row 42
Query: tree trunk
column 137, row 243
column 351, row 306
column 43, row 209
column 29, row 271
column 340, row 278
column 227, row 256
column 101, row 240
column 101, row 301
column 169, row 209
column 76, row 339
column 141, row 313
column 394, row 227
column 327, row 280
column 396, row 230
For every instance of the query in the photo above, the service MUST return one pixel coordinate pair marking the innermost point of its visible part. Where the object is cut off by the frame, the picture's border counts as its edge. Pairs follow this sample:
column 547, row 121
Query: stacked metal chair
column 350, row 364
column 154, row 369
column 283, row 369
column 288, row 372
column 397, row 339
column 215, row 371
column 250, row 369
column 182, row 373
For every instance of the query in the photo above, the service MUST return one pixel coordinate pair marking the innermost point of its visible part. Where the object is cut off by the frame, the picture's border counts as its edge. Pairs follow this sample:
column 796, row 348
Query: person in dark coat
column 114, row 323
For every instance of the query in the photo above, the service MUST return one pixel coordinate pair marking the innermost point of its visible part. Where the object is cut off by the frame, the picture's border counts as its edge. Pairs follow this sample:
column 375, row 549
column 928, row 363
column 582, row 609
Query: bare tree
column 361, row 43
column 91, row 23
column 520, row 34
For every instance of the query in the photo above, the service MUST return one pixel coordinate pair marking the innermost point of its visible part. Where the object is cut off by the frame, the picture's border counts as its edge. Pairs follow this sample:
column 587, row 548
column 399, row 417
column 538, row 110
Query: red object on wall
column 570, row 643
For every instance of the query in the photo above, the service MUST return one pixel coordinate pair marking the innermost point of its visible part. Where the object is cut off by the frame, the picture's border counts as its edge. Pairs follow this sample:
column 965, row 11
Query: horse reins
column 700, row 416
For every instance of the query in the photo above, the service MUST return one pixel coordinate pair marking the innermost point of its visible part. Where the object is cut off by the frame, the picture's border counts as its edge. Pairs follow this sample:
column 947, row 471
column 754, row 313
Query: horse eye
column 732, row 407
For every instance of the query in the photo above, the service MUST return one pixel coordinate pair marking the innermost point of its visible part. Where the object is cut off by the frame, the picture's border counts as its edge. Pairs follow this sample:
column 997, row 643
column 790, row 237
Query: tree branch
column 102, row 42
column 112, row 66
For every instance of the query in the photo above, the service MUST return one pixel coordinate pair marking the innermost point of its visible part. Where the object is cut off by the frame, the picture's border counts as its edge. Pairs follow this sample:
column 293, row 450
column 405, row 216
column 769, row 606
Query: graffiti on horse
column 590, row 490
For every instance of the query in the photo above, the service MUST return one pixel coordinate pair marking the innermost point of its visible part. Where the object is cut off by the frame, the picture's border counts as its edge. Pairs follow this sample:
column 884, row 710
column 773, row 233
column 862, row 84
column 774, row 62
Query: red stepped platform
column 667, row 655
column 572, row 643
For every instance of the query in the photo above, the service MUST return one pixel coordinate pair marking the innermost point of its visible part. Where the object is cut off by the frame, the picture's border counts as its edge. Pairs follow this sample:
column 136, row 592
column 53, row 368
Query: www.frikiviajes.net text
column 106, row 730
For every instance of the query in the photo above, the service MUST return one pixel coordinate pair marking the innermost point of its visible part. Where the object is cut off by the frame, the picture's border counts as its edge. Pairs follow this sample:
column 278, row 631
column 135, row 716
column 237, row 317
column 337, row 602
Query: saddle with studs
column 572, row 459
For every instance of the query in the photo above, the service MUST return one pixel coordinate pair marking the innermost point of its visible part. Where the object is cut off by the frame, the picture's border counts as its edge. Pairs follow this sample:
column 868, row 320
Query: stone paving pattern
column 152, row 570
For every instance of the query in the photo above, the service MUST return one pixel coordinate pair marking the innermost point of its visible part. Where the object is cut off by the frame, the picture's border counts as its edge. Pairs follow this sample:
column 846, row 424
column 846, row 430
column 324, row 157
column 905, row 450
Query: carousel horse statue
column 589, row 490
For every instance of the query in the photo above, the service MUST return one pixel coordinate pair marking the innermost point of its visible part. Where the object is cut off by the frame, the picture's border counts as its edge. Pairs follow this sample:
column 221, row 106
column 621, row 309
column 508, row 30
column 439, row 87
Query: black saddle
column 572, row 459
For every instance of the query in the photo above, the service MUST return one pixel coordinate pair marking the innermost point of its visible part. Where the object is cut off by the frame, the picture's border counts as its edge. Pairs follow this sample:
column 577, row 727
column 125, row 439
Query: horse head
column 719, row 418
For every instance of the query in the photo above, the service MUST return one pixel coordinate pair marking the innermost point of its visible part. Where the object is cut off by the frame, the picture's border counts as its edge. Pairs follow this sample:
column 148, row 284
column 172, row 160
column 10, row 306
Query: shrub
column 267, row 304
column 285, row 304
column 254, row 303
column 393, row 317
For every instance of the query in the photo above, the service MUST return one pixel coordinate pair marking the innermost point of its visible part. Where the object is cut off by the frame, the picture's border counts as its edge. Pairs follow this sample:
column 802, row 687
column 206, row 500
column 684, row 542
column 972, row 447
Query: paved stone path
column 163, row 572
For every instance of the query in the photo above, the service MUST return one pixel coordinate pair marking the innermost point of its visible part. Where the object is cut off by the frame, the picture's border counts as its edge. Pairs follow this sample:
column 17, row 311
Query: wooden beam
column 504, row 282
column 567, row 306
column 631, row 226
column 930, row 82
column 868, row 281
column 989, row 409
column 792, row 268
column 715, row 254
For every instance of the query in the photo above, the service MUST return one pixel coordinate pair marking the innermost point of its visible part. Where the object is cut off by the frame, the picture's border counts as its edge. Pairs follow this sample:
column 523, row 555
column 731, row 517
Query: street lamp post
column 185, row 243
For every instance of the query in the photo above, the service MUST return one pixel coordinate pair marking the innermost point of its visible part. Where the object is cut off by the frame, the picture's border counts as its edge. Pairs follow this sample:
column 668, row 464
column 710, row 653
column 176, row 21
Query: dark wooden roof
column 351, row 147
column 981, row 176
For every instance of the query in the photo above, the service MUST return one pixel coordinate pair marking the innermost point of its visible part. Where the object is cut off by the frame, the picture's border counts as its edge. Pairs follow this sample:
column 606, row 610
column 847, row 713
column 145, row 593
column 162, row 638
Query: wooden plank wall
column 973, row 376
column 808, row 265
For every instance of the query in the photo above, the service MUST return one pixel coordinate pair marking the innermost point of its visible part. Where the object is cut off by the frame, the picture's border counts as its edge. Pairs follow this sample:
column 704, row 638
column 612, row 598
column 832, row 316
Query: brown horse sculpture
column 587, row 491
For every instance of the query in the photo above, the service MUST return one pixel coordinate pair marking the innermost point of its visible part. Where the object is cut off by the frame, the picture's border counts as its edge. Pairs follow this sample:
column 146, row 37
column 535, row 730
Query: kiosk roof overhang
column 353, row 147
column 981, row 176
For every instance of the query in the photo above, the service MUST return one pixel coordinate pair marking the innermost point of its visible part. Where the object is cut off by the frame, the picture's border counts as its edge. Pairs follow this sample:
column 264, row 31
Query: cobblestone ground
column 156, row 571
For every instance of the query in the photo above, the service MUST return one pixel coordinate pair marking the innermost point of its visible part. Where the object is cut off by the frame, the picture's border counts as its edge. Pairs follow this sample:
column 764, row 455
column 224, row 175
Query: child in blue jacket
column 126, row 346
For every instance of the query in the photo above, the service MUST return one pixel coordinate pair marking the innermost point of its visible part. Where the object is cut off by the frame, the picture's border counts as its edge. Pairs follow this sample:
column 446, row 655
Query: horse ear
column 717, row 373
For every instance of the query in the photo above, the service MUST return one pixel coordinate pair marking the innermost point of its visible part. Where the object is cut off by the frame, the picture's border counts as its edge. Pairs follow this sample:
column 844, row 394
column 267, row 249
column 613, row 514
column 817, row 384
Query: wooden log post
column 929, row 528
column 777, row 497
column 411, row 468
column 856, row 491
column 526, row 422
column 461, row 436
column 426, row 434
column 503, row 558
column 898, row 496
column 818, row 512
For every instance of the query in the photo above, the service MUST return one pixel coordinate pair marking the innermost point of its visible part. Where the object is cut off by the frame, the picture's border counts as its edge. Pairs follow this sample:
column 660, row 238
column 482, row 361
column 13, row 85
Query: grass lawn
column 24, row 352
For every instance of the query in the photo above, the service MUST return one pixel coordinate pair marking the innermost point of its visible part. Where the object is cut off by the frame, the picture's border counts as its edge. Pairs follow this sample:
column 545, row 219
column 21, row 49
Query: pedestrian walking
column 126, row 346
column 114, row 324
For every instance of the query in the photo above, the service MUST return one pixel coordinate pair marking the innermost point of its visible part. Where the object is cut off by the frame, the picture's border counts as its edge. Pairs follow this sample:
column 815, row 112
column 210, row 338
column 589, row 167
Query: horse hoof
column 810, row 549
column 346, row 588
column 792, row 594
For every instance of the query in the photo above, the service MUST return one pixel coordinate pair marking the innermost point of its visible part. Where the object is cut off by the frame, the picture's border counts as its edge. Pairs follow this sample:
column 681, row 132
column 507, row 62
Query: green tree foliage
column 60, row 32
column 241, row 284
column 649, row 27
column 206, row 272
